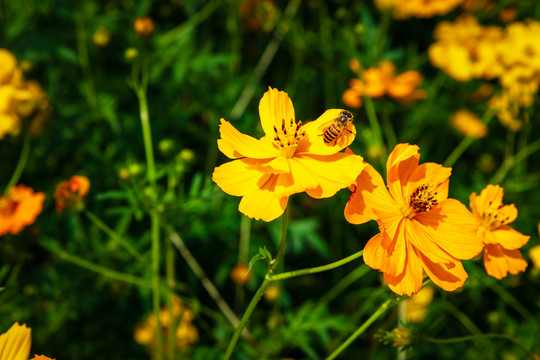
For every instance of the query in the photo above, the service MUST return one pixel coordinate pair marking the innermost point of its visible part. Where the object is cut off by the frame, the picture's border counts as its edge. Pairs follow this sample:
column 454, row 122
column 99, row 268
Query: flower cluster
column 19, row 99
column 182, row 317
column 380, row 81
column 417, row 8
column 19, row 208
column 16, row 342
column 466, row 50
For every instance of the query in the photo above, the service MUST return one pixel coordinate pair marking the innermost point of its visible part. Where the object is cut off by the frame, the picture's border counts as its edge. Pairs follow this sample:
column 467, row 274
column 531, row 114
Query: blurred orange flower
column 69, row 193
column 421, row 228
column 380, row 81
column 19, row 209
column 469, row 124
column 240, row 274
column 502, row 243
column 143, row 26
column 42, row 357
column 289, row 159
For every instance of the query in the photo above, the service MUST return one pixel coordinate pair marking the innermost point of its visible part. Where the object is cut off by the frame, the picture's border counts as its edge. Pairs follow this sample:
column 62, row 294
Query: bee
column 334, row 129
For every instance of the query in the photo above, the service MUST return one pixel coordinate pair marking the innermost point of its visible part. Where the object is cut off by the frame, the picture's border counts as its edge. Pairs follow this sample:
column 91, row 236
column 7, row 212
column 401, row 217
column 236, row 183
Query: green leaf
column 254, row 260
column 262, row 255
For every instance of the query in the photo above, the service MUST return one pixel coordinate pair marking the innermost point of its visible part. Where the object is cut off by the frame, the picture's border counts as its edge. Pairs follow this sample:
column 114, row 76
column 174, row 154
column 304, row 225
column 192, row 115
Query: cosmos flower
column 502, row 243
column 421, row 229
column 70, row 193
column 469, row 124
column 19, row 208
column 16, row 342
column 289, row 159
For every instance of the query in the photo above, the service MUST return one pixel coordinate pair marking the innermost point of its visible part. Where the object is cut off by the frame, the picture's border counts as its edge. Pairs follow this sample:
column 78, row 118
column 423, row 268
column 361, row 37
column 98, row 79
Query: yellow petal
column 534, row 254
column 313, row 143
column 453, row 228
column 509, row 238
column 15, row 343
column 262, row 204
column 237, row 178
column 274, row 107
column 410, row 281
column 491, row 196
column 298, row 180
column 370, row 195
column 447, row 276
column 401, row 163
column 236, row 145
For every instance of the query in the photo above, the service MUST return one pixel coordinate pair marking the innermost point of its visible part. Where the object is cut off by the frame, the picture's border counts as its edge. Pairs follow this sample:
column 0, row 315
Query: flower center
column 422, row 200
column 288, row 137
column 7, row 206
column 493, row 217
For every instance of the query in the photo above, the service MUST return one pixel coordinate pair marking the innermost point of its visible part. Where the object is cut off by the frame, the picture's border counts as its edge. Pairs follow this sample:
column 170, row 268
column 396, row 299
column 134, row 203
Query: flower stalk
column 21, row 164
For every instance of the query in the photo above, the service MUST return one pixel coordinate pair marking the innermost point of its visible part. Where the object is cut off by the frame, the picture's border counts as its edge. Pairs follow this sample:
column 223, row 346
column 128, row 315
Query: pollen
column 423, row 199
column 287, row 136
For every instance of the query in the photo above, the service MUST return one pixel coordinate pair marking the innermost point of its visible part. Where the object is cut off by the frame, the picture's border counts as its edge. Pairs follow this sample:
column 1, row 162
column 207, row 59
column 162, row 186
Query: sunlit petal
column 401, row 163
column 236, row 145
column 274, row 107
column 262, row 203
column 509, row 238
column 448, row 276
column 410, row 281
column 237, row 178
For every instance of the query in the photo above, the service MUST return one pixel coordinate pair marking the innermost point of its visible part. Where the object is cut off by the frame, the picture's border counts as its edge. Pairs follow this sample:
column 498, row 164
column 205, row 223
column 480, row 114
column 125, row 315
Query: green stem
column 113, row 274
column 154, row 218
column 391, row 138
column 82, row 50
column 479, row 337
column 262, row 288
column 314, row 270
column 512, row 161
column 466, row 142
column 114, row 236
column 169, row 261
column 21, row 164
column 380, row 311
column 375, row 127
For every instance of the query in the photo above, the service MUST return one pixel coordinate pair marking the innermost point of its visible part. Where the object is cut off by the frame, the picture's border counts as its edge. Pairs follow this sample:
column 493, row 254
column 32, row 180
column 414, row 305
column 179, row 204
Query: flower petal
column 236, row 145
column 274, row 107
column 238, row 179
column 15, row 343
column 410, row 281
column 509, row 238
column 401, row 163
column 313, row 143
column 425, row 243
column 370, row 196
column 431, row 174
column 447, row 276
column 491, row 196
column 453, row 228
column 262, row 204
column 499, row 262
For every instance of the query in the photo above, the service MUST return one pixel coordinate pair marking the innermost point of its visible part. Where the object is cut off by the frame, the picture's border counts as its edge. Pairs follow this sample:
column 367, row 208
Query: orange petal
column 490, row 196
column 238, row 179
column 410, row 281
column 333, row 172
column 313, row 143
column 447, row 276
column 394, row 244
column 369, row 196
column 474, row 208
column 392, row 261
column 401, row 163
column 432, row 174
column 509, row 213
column 374, row 253
column 509, row 238
column 425, row 243
column 453, row 228
column 274, row 107
column 236, row 145
column 262, row 204
column 499, row 262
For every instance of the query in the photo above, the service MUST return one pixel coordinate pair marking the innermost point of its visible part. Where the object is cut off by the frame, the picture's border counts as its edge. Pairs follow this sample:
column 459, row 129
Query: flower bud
column 144, row 26
column 101, row 37
column 240, row 274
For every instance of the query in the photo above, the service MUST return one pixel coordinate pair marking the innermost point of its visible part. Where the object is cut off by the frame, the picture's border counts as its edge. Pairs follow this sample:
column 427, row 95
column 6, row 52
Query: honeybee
column 334, row 129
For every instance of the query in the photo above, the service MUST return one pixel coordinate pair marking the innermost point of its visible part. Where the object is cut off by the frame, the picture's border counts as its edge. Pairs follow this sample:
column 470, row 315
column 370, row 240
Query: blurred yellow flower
column 101, row 37
column 509, row 113
column 291, row 158
column 416, row 307
column 502, row 243
column 417, row 8
column 469, row 124
column 534, row 254
column 186, row 333
column 380, row 81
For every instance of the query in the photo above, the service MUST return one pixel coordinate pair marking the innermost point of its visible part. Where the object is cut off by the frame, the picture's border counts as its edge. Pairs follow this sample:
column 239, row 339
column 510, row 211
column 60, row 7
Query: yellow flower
column 469, row 124
column 289, row 159
column 502, row 243
column 16, row 342
column 509, row 112
column 19, row 209
column 417, row 306
column 421, row 229
column 534, row 254
column 101, row 37
column 417, row 8
column 380, row 81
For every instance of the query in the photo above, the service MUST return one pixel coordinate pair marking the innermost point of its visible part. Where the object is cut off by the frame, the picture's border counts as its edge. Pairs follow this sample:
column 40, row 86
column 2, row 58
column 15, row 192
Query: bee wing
column 326, row 125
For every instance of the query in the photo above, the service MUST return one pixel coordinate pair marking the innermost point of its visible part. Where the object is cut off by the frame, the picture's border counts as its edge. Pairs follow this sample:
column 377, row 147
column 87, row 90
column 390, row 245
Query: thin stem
column 169, row 261
column 343, row 284
column 375, row 127
column 391, row 138
column 154, row 218
column 380, row 311
column 314, row 270
column 466, row 142
column 262, row 288
column 21, row 164
column 265, row 60
column 199, row 272
column 82, row 50
column 479, row 337
column 512, row 161
column 113, row 274
column 147, row 136
column 116, row 237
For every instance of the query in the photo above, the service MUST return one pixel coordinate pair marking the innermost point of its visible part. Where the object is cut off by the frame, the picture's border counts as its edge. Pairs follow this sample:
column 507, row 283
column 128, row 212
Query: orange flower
column 421, row 228
column 42, row 357
column 469, row 124
column 240, row 274
column 69, row 194
column 19, row 208
column 289, row 159
column 501, row 254
column 143, row 26
column 382, row 81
